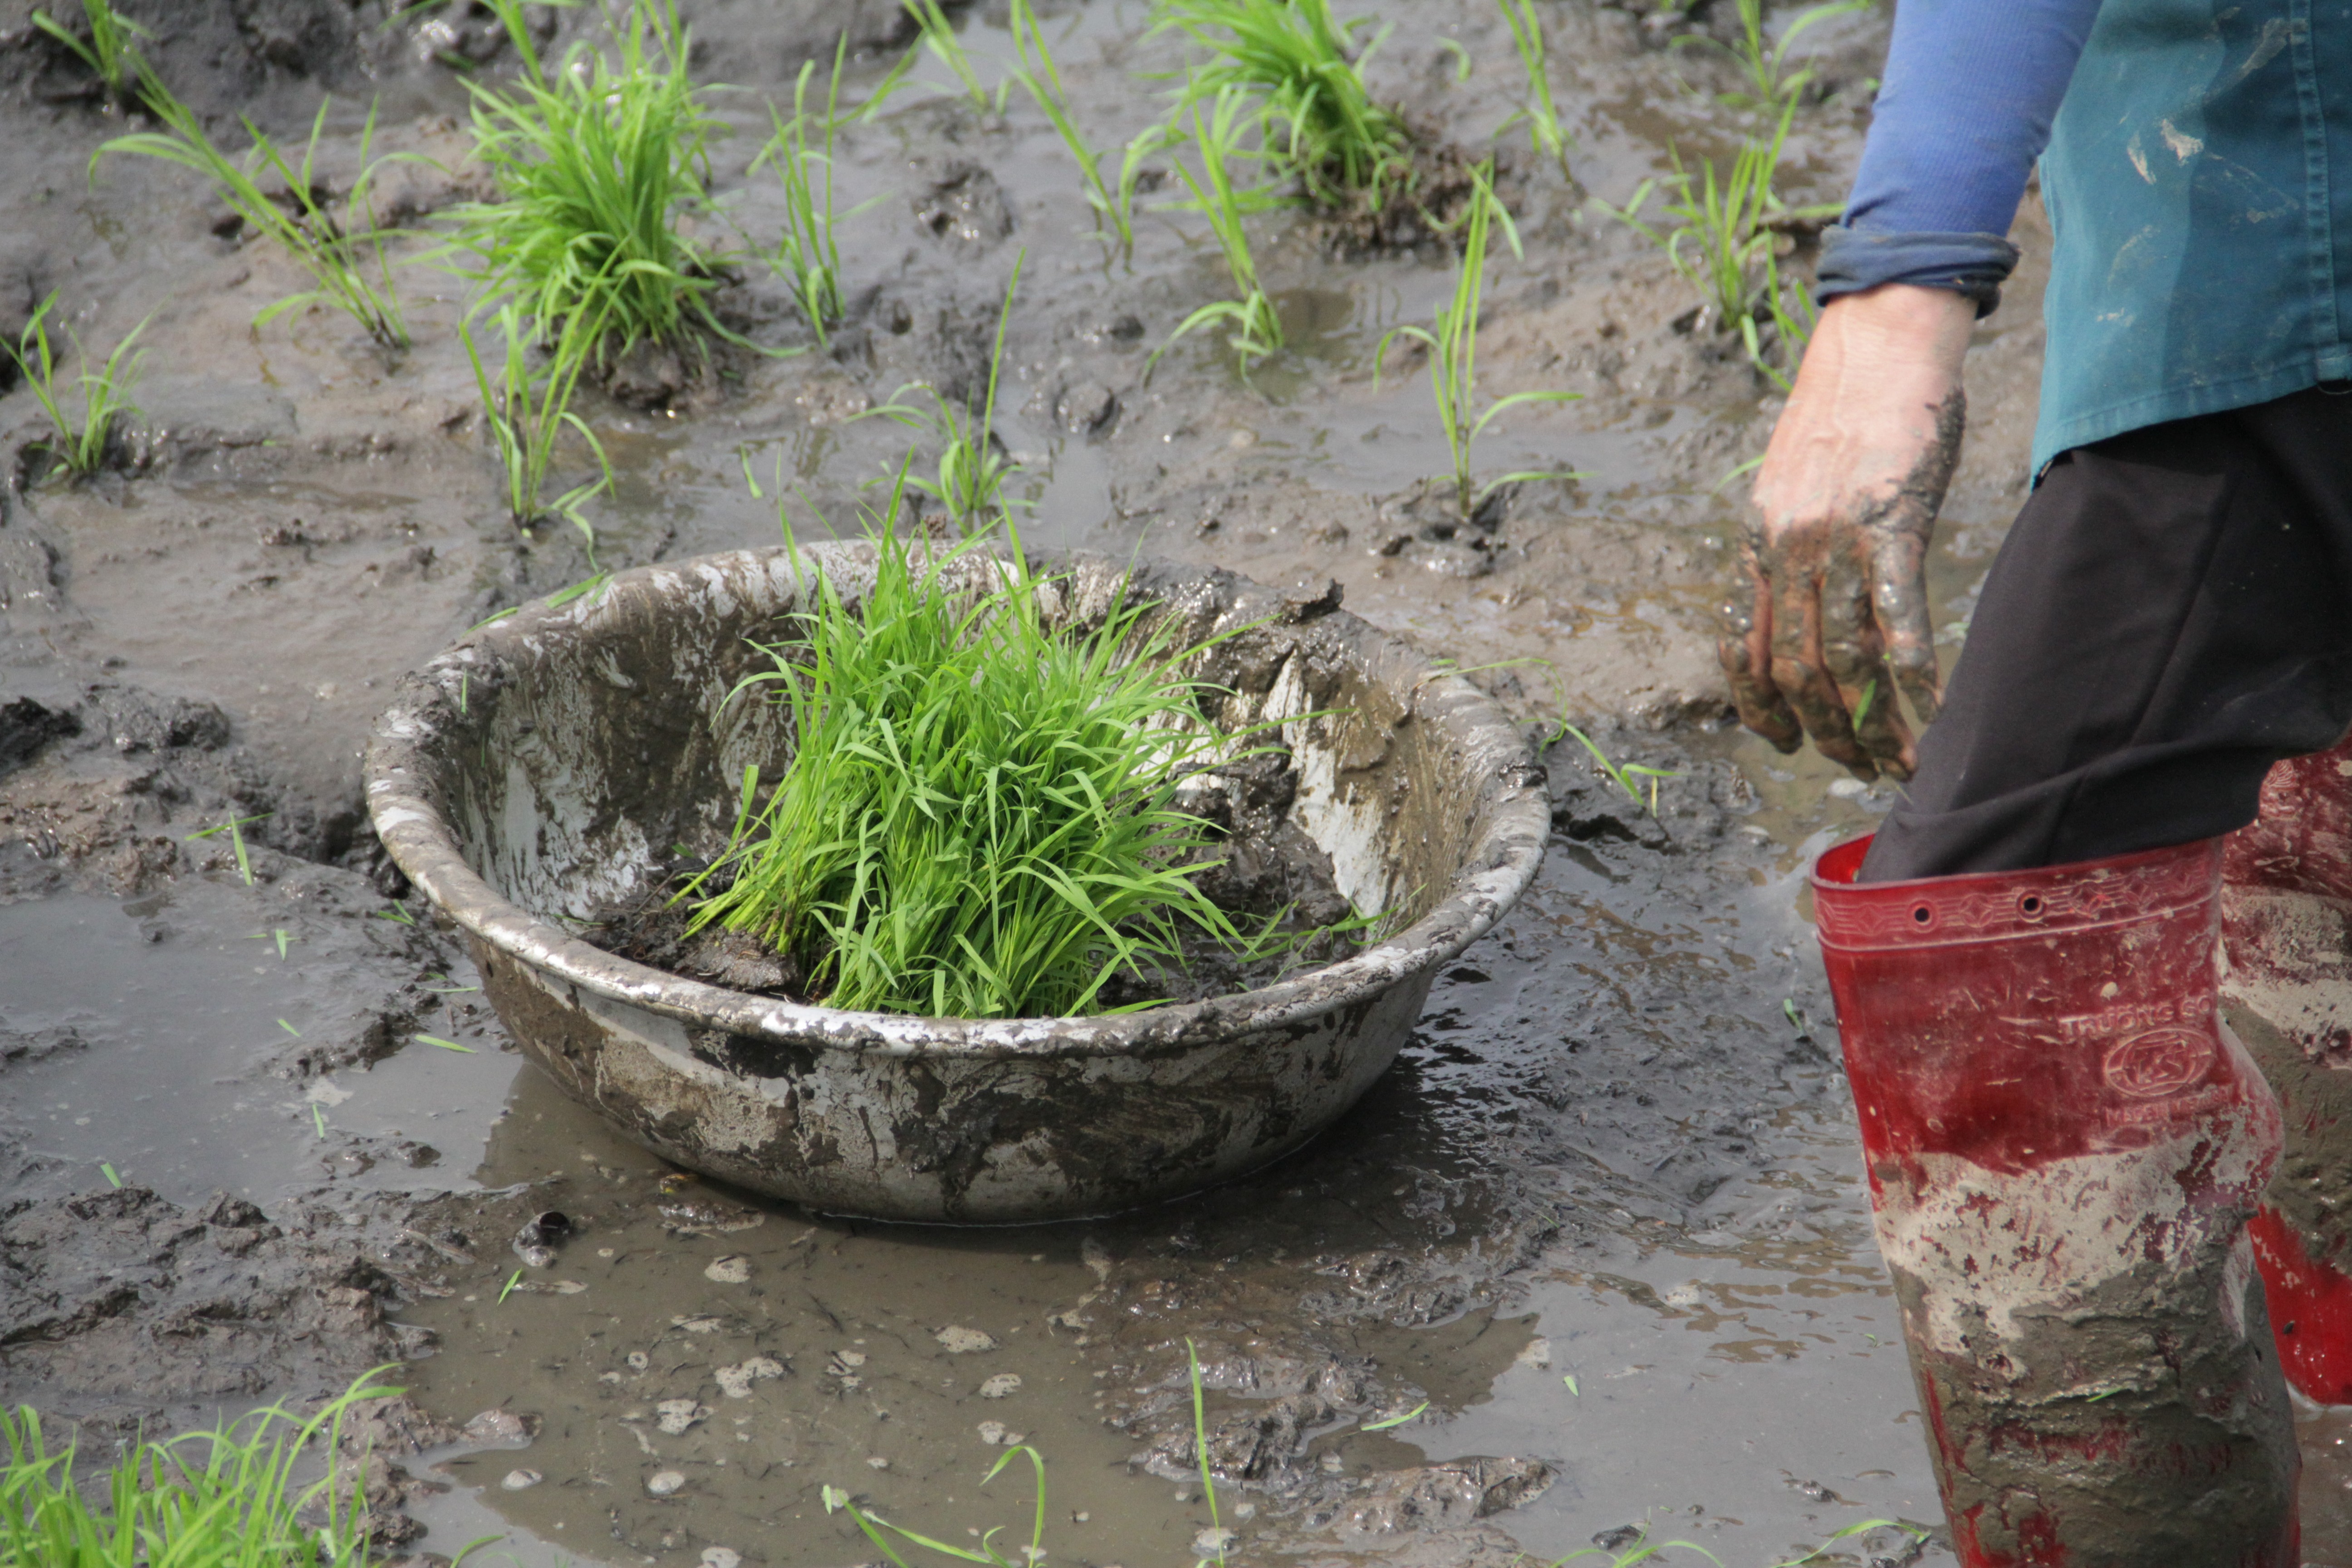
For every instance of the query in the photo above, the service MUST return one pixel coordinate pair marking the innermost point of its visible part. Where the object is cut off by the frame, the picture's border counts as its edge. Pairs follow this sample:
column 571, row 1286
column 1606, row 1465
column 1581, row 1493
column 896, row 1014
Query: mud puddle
column 169, row 1040
column 749, row 1357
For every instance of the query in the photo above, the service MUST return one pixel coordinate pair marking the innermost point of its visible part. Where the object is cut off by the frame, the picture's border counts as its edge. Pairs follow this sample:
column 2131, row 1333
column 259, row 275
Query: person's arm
column 1845, row 503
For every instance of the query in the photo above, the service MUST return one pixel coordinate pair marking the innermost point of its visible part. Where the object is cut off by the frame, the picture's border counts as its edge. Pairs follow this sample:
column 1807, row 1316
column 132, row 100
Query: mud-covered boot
column 2064, row 1143
column 2287, row 920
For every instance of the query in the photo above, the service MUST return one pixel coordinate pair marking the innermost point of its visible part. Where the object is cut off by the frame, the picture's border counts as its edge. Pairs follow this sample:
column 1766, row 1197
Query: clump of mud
column 1424, row 210
column 1275, row 880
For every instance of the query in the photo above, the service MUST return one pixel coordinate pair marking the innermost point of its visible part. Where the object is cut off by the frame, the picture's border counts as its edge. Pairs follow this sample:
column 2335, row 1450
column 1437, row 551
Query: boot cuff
column 1863, row 917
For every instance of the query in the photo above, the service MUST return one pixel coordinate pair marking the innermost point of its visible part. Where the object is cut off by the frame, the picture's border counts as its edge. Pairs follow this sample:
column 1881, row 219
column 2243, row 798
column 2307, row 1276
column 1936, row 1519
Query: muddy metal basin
column 529, row 778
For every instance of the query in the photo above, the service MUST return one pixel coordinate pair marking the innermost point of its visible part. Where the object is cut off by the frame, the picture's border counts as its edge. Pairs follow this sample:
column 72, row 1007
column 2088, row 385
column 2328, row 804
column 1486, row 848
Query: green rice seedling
column 1545, row 133
column 1770, row 85
column 1330, row 134
column 77, row 447
column 599, row 161
column 111, row 51
column 529, row 411
column 1714, row 237
column 1256, row 328
column 1715, row 234
column 875, row 100
column 1394, row 1421
column 344, row 253
column 972, row 468
column 800, row 150
column 1042, row 80
column 873, row 1525
column 802, row 155
column 1621, row 774
column 555, row 601
column 1446, row 668
column 1788, row 305
column 1200, row 1453
column 837, row 1500
column 1861, row 1527
column 582, row 589
column 977, row 816
column 1453, row 349
column 225, row 1497
column 1641, row 1551
column 806, row 253
column 1736, row 471
column 940, row 38
column 235, row 828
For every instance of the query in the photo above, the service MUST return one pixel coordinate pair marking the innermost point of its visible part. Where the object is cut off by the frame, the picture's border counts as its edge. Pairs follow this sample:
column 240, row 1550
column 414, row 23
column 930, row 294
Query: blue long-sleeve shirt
column 2198, row 174
column 1964, row 108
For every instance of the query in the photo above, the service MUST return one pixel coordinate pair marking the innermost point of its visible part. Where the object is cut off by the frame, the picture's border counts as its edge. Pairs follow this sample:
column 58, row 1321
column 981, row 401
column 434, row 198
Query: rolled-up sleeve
column 1970, row 89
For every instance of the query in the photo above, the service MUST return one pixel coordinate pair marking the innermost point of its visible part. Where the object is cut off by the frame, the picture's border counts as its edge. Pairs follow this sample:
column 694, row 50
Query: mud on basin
column 532, row 777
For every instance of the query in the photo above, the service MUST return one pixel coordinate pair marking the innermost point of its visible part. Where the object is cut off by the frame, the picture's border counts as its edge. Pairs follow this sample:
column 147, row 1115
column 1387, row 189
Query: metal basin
column 527, row 778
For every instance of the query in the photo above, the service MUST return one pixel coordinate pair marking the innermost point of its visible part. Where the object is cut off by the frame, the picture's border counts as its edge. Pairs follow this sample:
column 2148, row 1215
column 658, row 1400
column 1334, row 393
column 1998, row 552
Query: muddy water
column 862, row 1394
column 1610, row 1157
column 169, row 1037
column 1657, row 1283
column 1602, row 1222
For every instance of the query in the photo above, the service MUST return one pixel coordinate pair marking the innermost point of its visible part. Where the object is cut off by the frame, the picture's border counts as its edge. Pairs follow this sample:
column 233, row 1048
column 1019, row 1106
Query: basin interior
column 589, row 742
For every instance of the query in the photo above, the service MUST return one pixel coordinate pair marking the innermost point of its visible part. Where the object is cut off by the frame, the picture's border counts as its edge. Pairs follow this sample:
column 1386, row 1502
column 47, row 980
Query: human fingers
column 1854, row 652
column 1802, row 672
column 1898, row 604
column 1745, row 650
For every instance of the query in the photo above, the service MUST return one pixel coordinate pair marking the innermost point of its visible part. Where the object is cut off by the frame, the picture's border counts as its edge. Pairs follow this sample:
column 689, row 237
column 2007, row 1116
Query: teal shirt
column 2199, row 178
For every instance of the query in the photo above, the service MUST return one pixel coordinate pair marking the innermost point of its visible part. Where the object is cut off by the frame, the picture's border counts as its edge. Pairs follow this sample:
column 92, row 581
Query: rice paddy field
column 340, row 327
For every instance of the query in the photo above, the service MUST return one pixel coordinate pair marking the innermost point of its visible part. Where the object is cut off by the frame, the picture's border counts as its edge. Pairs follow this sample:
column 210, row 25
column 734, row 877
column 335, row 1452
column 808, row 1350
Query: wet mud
column 1394, row 1268
column 1598, row 1239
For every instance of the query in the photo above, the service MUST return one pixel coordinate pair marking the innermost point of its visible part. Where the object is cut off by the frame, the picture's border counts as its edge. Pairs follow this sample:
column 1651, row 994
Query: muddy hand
column 1835, row 619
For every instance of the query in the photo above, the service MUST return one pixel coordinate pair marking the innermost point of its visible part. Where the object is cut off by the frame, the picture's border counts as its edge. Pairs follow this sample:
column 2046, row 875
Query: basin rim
column 1497, row 868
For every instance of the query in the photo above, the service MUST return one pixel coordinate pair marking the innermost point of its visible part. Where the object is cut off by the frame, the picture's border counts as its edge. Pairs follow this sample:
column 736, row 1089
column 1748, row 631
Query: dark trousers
column 2170, row 614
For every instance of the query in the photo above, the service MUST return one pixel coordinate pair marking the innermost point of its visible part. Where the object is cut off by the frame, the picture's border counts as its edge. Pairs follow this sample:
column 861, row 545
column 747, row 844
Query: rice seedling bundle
column 599, row 161
column 977, row 818
column 1302, row 62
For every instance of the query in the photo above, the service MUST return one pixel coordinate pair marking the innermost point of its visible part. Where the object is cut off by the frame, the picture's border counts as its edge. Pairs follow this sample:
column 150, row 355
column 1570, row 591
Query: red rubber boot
column 2286, row 921
column 2064, row 1143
